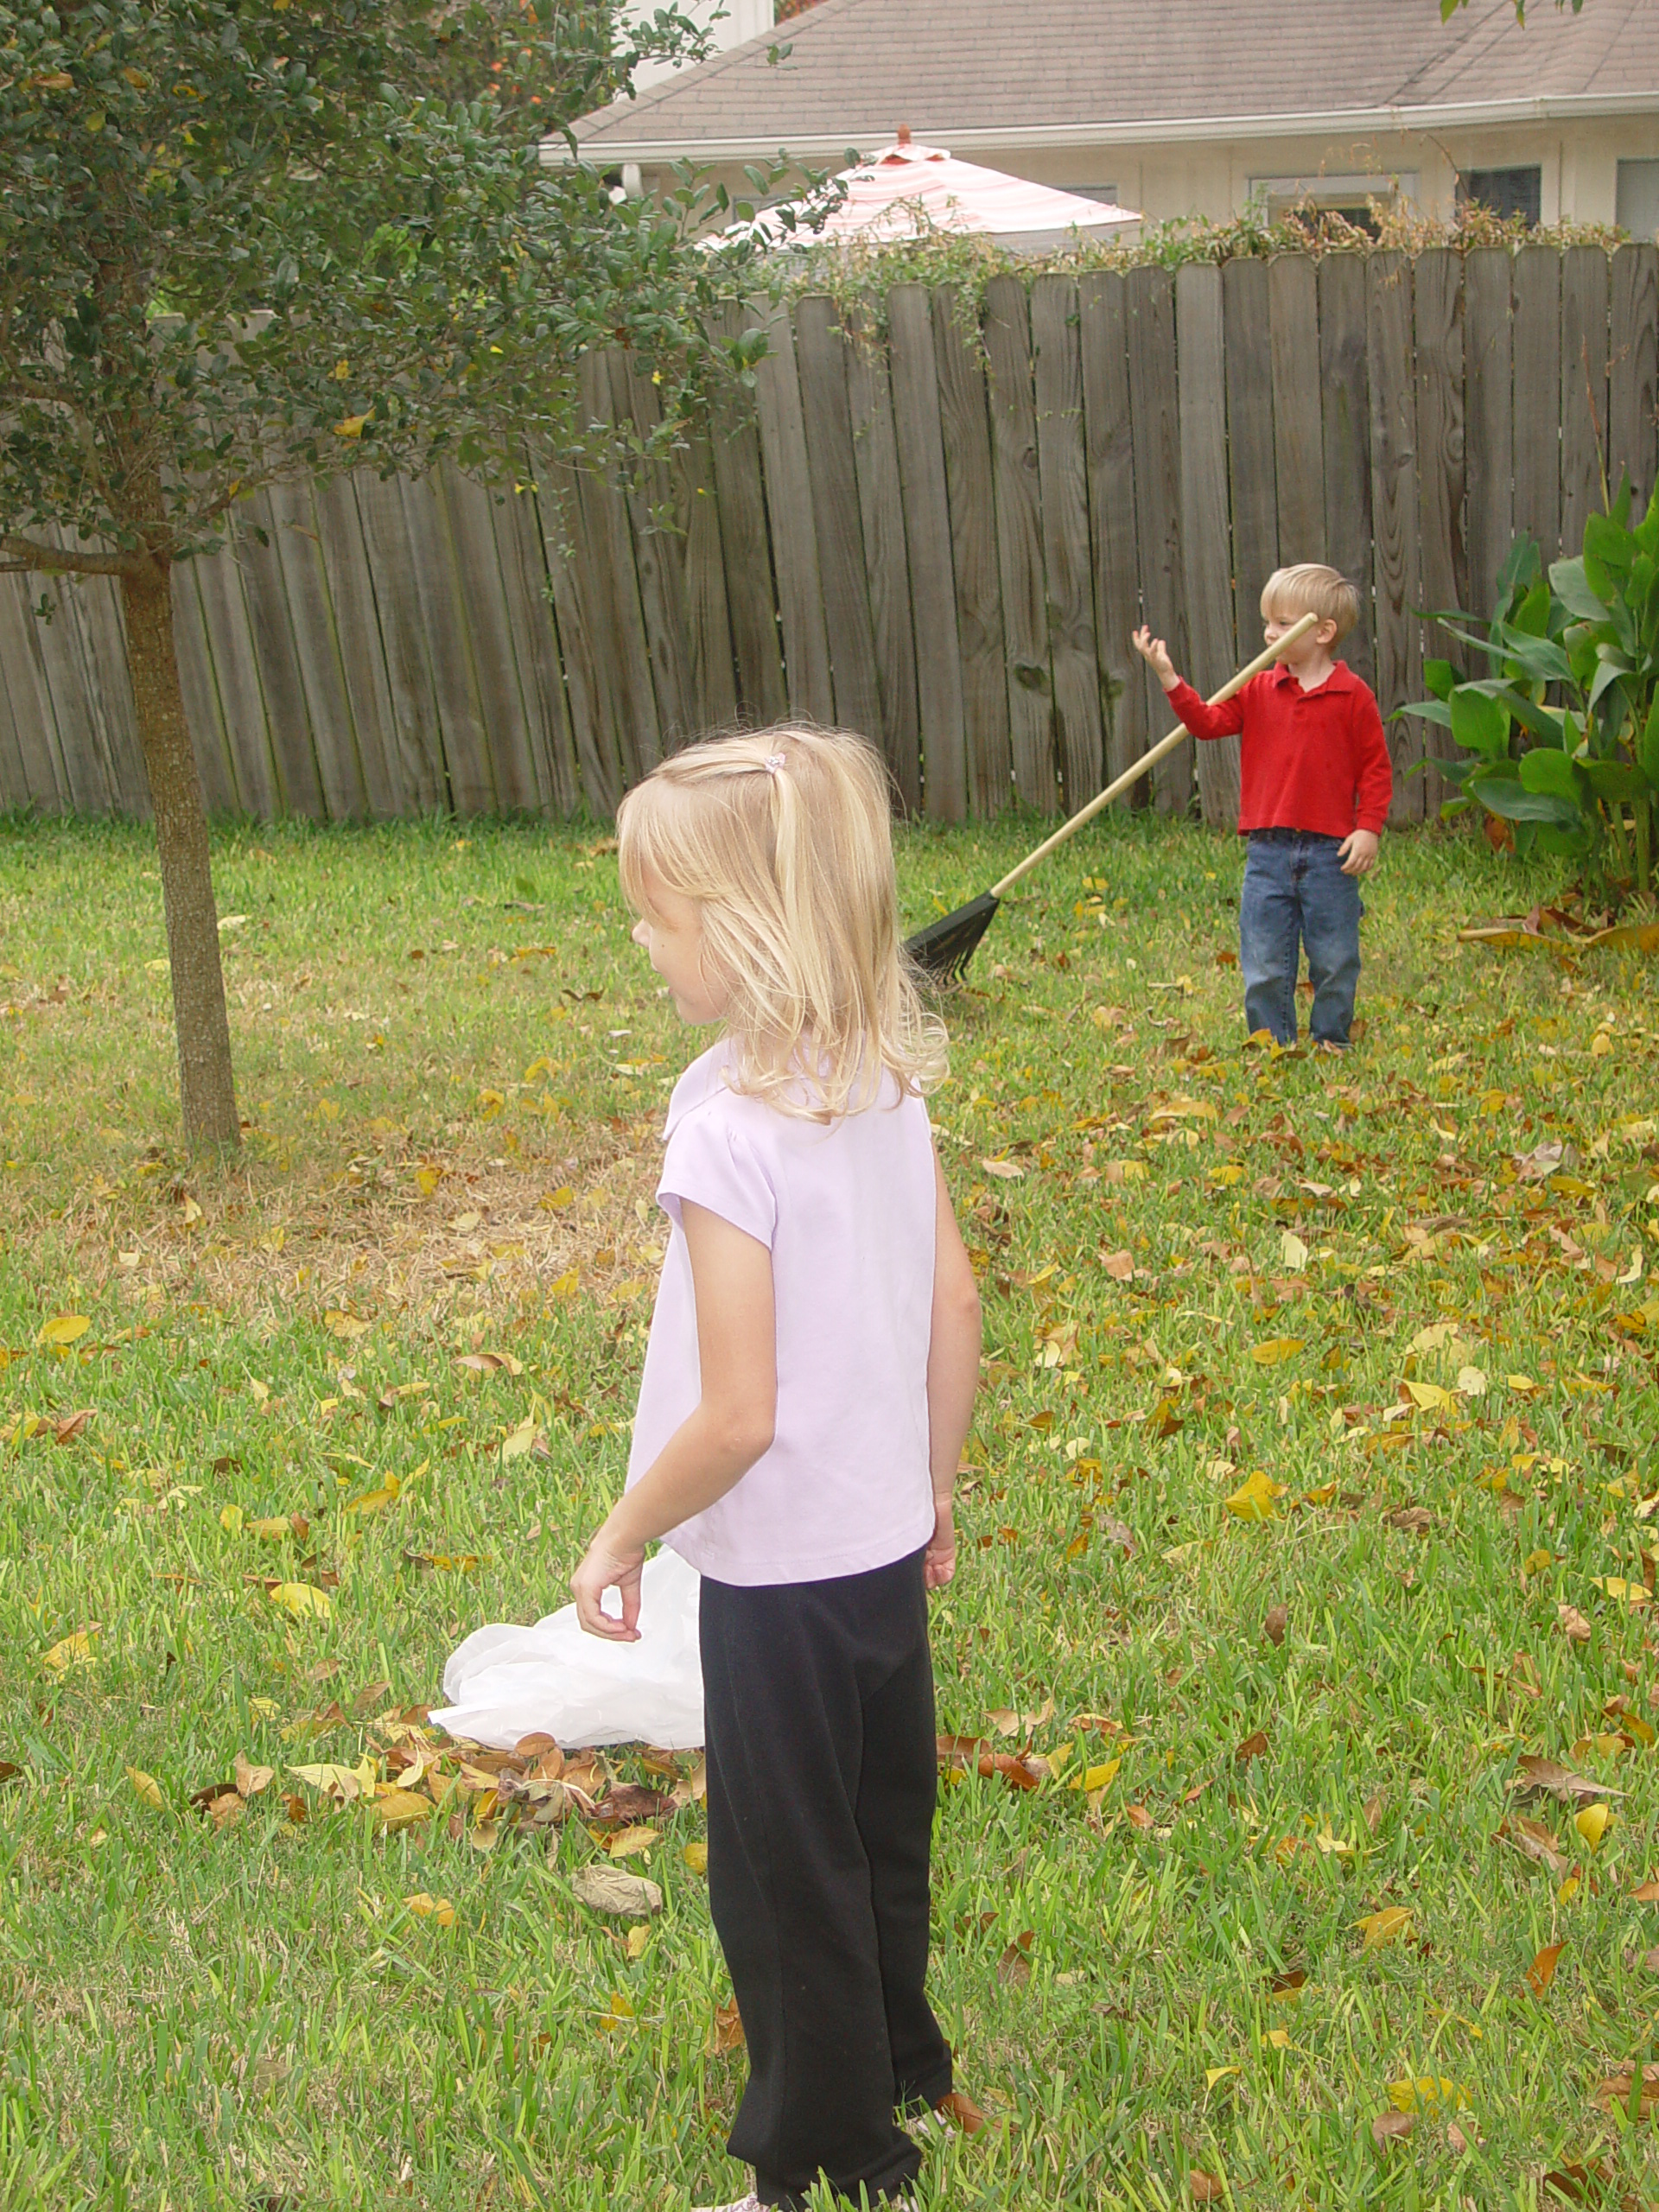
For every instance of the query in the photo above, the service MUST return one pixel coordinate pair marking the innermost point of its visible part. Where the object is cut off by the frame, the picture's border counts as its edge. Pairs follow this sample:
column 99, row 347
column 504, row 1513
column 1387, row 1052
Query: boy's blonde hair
column 783, row 838
column 1309, row 588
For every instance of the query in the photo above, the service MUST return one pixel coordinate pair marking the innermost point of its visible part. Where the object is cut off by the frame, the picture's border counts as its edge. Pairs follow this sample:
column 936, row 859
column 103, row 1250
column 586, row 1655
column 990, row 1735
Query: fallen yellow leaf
column 431, row 1908
column 695, row 1856
column 401, row 1809
column 63, row 1329
column 1592, row 1824
column 1427, row 2091
column 627, row 1843
column 302, row 1599
column 1384, row 1927
column 1252, row 1501
column 1275, row 1351
column 146, row 1787
column 345, row 1325
column 74, row 1650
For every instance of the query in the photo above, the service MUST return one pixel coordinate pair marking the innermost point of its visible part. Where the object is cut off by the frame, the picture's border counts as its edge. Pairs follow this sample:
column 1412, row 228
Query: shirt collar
column 1341, row 679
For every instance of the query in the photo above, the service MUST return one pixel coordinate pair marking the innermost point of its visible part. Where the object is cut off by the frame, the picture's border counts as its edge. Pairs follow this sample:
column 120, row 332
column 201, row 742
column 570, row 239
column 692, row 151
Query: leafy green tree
column 244, row 240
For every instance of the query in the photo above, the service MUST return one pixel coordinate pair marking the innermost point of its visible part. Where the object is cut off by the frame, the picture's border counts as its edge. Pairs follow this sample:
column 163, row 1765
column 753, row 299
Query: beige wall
column 1579, row 162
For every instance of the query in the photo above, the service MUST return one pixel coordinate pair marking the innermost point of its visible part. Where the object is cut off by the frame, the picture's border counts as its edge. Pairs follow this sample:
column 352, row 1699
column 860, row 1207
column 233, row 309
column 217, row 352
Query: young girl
column 806, row 1395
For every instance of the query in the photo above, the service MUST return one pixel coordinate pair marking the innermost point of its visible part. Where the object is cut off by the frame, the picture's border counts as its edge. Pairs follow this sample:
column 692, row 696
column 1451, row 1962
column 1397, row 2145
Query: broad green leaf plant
column 1562, row 739
column 248, row 240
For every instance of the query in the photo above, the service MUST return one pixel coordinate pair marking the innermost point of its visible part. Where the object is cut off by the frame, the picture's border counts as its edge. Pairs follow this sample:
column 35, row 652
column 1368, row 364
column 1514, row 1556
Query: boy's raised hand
column 1156, row 652
column 1357, row 851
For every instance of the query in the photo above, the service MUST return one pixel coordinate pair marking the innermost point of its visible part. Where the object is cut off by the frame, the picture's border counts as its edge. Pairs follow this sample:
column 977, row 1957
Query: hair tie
column 775, row 764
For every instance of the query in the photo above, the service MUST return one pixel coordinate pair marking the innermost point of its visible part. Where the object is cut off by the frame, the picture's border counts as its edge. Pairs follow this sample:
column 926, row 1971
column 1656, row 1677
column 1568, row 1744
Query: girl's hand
column 939, row 1561
column 603, row 1569
column 1154, row 650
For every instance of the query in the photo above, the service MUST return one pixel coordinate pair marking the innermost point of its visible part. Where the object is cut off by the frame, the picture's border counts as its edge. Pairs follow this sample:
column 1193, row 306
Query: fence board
column 1205, row 540
column 1437, row 288
column 82, row 751
column 468, row 786
column 93, row 639
column 209, row 740
column 1103, row 330
column 1489, row 422
column 14, row 775
column 490, row 644
column 100, row 640
column 747, row 549
column 219, row 586
column 1057, row 362
column 875, row 456
column 276, row 652
column 311, row 613
column 1344, row 377
column 1394, row 509
column 559, row 513
column 1584, row 389
column 541, row 676
column 1298, row 430
column 362, row 655
column 964, row 425
column 821, row 353
column 1250, row 457
column 1536, row 278
column 1154, row 413
column 927, row 534
column 1021, row 580
column 416, row 727
column 29, row 698
column 708, row 622
column 1633, row 378
column 789, row 517
column 611, row 594
column 658, row 557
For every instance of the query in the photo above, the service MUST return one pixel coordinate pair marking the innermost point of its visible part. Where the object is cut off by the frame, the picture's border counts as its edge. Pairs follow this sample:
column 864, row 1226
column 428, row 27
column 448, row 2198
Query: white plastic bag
column 505, row 1682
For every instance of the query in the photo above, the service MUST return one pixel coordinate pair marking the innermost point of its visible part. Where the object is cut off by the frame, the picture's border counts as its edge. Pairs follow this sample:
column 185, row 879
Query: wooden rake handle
column 1264, row 659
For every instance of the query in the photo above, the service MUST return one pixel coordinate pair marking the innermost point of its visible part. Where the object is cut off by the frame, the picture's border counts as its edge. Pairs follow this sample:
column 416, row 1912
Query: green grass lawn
column 1360, row 1296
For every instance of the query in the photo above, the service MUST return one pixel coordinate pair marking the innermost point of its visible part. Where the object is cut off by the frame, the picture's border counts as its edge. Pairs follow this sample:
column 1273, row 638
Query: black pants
column 818, row 1707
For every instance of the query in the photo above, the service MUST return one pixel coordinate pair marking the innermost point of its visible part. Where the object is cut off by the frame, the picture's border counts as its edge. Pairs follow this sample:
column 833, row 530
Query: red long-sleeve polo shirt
column 1311, row 760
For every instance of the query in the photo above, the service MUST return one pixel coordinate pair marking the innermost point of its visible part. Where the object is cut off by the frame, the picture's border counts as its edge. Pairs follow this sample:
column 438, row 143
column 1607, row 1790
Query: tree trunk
column 206, row 1081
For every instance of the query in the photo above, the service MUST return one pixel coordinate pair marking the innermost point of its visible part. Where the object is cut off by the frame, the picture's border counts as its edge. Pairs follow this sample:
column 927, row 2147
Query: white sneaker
column 749, row 2204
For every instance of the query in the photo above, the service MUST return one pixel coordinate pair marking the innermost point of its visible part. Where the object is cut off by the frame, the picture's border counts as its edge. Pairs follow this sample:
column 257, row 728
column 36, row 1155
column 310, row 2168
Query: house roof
column 980, row 73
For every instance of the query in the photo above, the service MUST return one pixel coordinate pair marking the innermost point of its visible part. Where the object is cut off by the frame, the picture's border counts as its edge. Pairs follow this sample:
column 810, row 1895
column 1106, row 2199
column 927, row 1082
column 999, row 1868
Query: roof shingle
column 858, row 68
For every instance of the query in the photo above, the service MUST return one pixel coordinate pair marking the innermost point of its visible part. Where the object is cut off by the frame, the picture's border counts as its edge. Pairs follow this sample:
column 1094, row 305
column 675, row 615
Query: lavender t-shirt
column 847, row 1210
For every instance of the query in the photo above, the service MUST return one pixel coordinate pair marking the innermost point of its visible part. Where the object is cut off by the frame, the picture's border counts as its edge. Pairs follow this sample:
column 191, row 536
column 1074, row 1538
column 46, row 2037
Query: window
column 1504, row 193
column 1106, row 193
column 1637, row 209
column 1355, row 199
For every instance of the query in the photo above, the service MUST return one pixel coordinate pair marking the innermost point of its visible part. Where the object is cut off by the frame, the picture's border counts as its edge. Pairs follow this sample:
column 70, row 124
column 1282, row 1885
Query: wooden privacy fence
column 942, row 536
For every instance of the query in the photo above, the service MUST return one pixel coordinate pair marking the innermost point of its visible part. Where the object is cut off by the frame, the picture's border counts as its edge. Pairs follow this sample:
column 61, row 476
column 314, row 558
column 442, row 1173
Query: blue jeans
column 1295, row 893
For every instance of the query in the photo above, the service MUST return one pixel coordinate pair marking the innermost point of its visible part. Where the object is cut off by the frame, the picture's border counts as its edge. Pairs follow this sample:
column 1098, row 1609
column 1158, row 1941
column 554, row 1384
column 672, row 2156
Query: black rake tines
column 944, row 948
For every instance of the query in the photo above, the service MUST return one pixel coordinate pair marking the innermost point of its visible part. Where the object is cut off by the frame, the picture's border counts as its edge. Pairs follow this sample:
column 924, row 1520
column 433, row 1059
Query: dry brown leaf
column 1537, row 1843
column 249, row 1779
column 1541, row 1972
column 1551, row 1779
column 1616, row 2088
column 1205, row 2188
column 1014, row 1968
column 725, row 2031
column 608, row 1889
column 1573, row 1624
column 1415, row 1520
column 1646, row 1893
column 963, row 2111
column 1277, row 1622
column 1392, row 2127
column 1253, row 1747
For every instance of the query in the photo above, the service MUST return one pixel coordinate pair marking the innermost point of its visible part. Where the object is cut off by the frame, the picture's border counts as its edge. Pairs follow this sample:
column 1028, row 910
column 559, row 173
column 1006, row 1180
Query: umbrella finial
column 904, row 134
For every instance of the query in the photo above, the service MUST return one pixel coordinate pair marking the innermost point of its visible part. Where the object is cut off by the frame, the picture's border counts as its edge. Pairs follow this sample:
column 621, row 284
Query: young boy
column 1314, row 786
